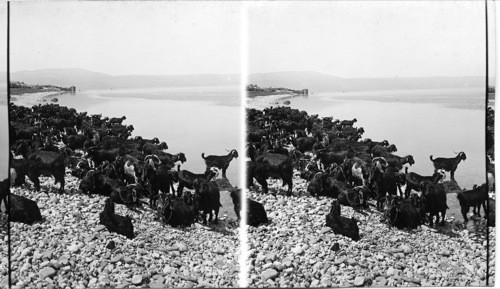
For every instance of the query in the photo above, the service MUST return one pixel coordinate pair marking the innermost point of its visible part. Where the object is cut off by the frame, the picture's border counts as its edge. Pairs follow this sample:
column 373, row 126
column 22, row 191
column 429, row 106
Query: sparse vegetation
column 19, row 87
column 255, row 90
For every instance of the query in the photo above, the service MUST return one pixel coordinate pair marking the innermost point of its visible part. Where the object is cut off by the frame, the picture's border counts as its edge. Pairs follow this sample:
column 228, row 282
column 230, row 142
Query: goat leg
column 204, row 216
column 180, row 188
column 216, row 221
column 35, row 180
column 262, row 181
column 465, row 210
column 172, row 187
column 407, row 191
column 400, row 191
column 290, row 184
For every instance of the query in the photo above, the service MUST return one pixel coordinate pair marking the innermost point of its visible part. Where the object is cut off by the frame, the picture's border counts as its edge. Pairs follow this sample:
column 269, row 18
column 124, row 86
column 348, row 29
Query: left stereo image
column 124, row 139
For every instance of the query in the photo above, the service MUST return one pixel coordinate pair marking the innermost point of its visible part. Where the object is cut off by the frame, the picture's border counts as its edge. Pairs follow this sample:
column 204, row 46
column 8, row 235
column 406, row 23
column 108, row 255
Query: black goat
column 126, row 195
column 23, row 210
column 97, row 182
column 75, row 141
column 397, row 162
column 413, row 180
column 18, row 171
column 327, row 158
column 382, row 151
column 387, row 182
column 208, row 199
column 342, row 225
column 268, row 165
column 98, row 156
column 170, row 159
column 448, row 164
column 150, row 148
column 473, row 198
column 117, row 119
column 303, row 144
column 309, row 171
column 348, row 123
column 403, row 213
column 255, row 212
column 116, row 223
column 81, row 169
column 187, row 178
column 220, row 162
column 161, row 179
column 434, row 201
column 46, row 163
column 354, row 197
column 175, row 212
column 324, row 184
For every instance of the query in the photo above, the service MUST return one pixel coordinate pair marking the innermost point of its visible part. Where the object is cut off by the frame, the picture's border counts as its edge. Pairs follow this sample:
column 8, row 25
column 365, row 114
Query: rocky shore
column 296, row 249
column 30, row 99
column 70, row 249
column 268, row 100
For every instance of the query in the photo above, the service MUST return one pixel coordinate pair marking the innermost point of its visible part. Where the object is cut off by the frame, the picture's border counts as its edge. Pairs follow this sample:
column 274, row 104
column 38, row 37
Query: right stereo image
column 369, row 163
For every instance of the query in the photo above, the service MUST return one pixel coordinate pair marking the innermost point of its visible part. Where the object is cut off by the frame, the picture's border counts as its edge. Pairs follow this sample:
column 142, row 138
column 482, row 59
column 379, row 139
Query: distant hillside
column 315, row 81
column 84, row 79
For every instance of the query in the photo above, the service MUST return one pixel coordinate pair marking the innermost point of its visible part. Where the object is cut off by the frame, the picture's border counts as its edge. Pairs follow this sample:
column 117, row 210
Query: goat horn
column 455, row 152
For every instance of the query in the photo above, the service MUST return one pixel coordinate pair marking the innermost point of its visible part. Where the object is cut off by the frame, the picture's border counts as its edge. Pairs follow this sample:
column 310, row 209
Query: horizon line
column 273, row 72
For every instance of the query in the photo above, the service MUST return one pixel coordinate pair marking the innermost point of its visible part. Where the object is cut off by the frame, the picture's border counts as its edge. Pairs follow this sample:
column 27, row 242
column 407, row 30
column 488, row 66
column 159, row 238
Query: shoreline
column 263, row 101
column 30, row 99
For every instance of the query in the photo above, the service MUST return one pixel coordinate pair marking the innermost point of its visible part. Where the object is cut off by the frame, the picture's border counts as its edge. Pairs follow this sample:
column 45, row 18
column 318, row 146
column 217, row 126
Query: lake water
column 191, row 120
column 418, row 122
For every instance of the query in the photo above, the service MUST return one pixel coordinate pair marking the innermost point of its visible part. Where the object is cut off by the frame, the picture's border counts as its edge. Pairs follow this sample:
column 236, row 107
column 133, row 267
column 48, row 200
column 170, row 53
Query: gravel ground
column 294, row 249
column 3, row 251
column 69, row 249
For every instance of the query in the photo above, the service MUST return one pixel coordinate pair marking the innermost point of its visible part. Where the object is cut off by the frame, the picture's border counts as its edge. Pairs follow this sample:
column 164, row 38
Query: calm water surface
column 191, row 120
column 419, row 122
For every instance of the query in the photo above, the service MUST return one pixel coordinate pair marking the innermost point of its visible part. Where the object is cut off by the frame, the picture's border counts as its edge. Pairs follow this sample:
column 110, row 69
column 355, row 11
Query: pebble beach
column 296, row 249
column 70, row 249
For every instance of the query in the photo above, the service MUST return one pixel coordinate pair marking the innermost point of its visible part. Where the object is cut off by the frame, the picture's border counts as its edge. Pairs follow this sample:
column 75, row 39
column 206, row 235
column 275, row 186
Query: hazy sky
column 341, row 38
column 127, row 37
column 369, row 38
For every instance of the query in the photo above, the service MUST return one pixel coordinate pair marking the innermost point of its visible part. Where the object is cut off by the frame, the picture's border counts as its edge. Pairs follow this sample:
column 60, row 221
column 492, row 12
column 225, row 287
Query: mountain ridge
column 314, row 81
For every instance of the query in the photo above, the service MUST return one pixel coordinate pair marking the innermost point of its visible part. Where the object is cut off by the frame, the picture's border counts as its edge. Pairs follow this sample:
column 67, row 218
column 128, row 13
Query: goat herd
column 51, row 139
column 331, row 157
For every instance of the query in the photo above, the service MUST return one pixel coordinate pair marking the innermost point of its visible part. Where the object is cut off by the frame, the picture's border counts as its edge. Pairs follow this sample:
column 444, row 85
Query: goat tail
column 203, row 155
column 431, row 158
